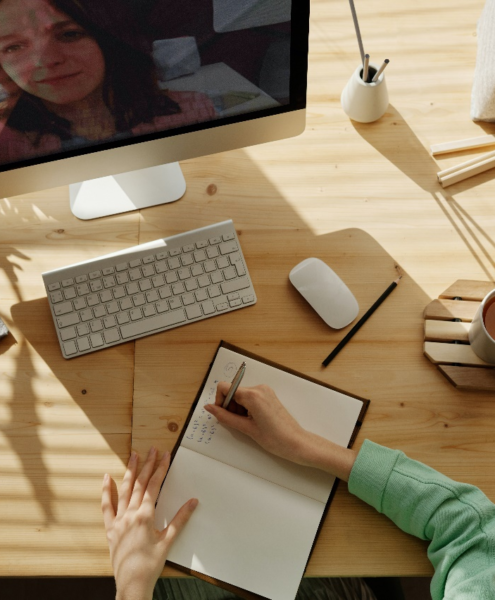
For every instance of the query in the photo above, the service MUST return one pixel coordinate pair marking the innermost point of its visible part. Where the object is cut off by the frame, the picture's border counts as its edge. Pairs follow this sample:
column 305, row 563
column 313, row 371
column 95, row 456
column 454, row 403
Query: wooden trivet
column 447, row 323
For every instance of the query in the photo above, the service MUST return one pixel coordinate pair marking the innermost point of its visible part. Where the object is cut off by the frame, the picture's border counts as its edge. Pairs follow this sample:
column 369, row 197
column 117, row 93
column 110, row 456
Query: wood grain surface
column 363, row 198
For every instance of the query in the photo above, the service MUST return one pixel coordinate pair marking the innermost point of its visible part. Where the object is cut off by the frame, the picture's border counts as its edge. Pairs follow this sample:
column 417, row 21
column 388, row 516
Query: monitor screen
column 79, row 77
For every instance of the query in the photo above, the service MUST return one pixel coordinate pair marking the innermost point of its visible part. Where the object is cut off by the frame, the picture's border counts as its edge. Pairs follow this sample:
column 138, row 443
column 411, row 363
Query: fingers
column 243, row 396
column 242, row 424
column 143, row 479
column 107, row 507
column 127, row 484
column 156, row 481
column 178, row 522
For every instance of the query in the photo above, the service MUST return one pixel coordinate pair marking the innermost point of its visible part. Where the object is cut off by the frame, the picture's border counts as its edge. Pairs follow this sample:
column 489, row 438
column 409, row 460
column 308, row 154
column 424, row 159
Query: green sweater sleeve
column 457, row 518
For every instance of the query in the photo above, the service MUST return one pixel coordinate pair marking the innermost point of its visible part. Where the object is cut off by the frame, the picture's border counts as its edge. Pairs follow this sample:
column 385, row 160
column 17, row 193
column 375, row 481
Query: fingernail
column 105, row 477
column 152, row 451
column 193, row 503
column 166, row 455
column 133, row 456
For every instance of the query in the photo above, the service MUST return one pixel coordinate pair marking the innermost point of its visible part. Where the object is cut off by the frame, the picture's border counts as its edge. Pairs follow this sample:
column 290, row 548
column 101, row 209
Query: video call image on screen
column 78, row 73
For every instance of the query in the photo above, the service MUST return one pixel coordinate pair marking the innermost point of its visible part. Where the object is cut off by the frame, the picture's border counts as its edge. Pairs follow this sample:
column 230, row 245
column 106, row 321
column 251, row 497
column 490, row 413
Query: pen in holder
column 362, row 101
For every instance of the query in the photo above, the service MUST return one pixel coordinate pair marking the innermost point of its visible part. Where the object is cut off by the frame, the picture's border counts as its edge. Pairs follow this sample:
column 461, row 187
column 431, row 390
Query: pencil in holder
column 362, row 101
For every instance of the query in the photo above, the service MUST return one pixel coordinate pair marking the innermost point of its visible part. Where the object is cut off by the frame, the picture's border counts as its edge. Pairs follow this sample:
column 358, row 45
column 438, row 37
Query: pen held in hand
column 235, row 384
column 361, row 322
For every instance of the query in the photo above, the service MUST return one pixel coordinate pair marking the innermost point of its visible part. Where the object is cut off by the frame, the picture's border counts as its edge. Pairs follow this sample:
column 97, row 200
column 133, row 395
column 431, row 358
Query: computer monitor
column 108, row 95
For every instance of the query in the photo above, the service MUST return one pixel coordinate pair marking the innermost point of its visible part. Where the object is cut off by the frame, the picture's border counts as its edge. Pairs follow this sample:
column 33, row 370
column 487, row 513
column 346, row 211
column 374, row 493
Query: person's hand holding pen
column 258, row 413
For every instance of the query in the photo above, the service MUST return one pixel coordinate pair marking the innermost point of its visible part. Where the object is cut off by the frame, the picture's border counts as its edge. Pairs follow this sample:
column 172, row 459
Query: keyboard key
column 132, row 288
column 96, row 340
column 234, row 303
column 161, row 255
column 62, row 309
column 222, row 306
column 187, row 260
column 175, row 251
column 135, row 314
column 119, row 292
column 173, row 263
column 96, row 325
column 109, row 281
column 95, row 274
column 235, row 285
column 99, row 311
column 229, row 273
column 70, row 293
column 161, row 267
column 175, row 303
column 228, row 236
column 171, row 277
column 134, row 263
column 148, row 259
column 201, row 295
column 122, row 318
column 112, row 307
column 81, row 278
column 239, row 267
column 188, row 248
column 145, row 285
column 228, row 247
column 191, row 284
column 158, row 280
column 126, row 304
column 79, row 303
column 139, row 299
column 222, row 262
column 152, row 296
column 70, row 348
column 135, row 274
column 69, row 333
column 199, row 255
column 162, row 306
column 212, row 252
column 188, row 299
column 67, row 282
column 203, row 281
column 93, row 300
column 56, row 297
column 83, row 344
column 152, row 324
column 194, row 311
column 106, row 296
column 149, row 310
column 82, row 329
column 148, row 271
column 96, row 285
column 201, row 244
column 111, row 336
column 109, row 322
column 208, row 307
column 122, row 278
column 216, row 277
column 108, row 270
column 86, row 315
column 178, row 288
column 165, row 292
column 68, row 320
column 53, row 286
column 249, row 298
column 82, row 289
column 197, row 270
column 215, row 240
column 121, row 267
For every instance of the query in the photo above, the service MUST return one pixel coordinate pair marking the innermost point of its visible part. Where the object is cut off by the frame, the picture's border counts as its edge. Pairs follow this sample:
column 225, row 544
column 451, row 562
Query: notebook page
column 245, row 531
column 328, row 413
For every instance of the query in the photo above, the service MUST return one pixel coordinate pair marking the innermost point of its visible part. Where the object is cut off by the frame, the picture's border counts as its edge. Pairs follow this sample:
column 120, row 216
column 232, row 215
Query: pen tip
column 386, row 61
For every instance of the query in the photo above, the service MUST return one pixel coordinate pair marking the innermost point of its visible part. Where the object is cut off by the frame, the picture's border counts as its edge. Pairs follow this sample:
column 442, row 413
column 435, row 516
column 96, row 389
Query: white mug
column 482, row 343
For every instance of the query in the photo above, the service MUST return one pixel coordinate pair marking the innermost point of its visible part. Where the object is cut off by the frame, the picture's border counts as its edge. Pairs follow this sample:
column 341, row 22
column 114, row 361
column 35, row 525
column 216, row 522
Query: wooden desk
column 361, row 197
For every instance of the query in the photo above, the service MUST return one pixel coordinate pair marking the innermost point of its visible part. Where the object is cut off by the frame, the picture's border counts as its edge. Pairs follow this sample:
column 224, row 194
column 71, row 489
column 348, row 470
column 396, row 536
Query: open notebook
column 258, row 515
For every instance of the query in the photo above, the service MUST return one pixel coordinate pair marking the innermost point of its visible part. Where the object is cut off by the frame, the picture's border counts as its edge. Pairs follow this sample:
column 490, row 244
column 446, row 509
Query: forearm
column 316, row 451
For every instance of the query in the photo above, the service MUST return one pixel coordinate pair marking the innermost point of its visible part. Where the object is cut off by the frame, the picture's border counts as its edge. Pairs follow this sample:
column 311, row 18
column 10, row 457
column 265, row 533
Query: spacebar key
column 152, row 324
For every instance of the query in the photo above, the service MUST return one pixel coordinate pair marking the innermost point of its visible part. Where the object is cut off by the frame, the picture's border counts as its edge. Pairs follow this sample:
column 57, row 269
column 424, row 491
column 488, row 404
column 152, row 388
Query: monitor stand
column 128, row 191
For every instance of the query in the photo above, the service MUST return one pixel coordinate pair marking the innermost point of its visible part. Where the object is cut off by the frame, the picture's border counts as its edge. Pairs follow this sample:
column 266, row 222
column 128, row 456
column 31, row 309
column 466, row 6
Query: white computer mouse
column 325, row 292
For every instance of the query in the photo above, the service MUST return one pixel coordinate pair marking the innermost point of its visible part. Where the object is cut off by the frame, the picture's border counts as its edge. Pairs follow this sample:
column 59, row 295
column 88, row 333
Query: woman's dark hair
column 130, row 88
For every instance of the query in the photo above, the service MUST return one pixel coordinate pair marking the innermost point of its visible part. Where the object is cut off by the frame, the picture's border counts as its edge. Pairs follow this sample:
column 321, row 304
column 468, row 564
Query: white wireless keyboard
column 148, row 288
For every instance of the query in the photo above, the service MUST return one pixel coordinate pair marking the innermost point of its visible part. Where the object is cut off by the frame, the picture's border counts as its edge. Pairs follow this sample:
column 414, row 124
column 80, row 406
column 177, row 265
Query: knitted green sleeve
column 457, row 518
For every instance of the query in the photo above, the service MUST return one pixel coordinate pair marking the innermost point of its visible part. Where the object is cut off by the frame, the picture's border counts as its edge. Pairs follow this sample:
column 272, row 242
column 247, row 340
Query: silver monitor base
column 129, row 191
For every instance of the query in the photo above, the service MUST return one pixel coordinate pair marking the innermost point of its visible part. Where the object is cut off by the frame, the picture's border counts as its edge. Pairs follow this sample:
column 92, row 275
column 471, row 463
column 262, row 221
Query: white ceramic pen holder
column 365, row 102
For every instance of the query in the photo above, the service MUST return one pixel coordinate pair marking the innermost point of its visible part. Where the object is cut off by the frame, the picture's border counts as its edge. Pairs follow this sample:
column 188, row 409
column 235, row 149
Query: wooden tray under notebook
column 447, row 323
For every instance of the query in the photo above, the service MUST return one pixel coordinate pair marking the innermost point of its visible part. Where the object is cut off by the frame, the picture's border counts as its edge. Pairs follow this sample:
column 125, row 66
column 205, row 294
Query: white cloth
column 483, row 92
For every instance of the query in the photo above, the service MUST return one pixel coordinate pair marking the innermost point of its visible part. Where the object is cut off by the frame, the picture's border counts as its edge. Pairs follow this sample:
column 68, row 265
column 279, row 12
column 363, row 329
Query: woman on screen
column 83, row 75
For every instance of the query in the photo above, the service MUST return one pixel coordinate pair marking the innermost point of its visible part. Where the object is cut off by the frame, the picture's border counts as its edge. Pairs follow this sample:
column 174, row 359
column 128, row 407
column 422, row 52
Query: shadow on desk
column 403, row 149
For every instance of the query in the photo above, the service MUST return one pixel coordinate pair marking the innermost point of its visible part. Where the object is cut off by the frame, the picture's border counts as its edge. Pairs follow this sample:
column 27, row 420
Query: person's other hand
column 258, row 413
column 137, row 550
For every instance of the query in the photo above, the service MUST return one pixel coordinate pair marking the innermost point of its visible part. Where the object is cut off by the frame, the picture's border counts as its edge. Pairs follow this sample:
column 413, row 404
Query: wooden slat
column 470, row 378
column 468, row 290
column 446, row 354
column 448, row 310
column 446, row 331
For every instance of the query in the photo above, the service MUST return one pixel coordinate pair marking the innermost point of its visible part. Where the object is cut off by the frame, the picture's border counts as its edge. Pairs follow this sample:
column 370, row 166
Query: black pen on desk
column 235, row 384
column 361, row 322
